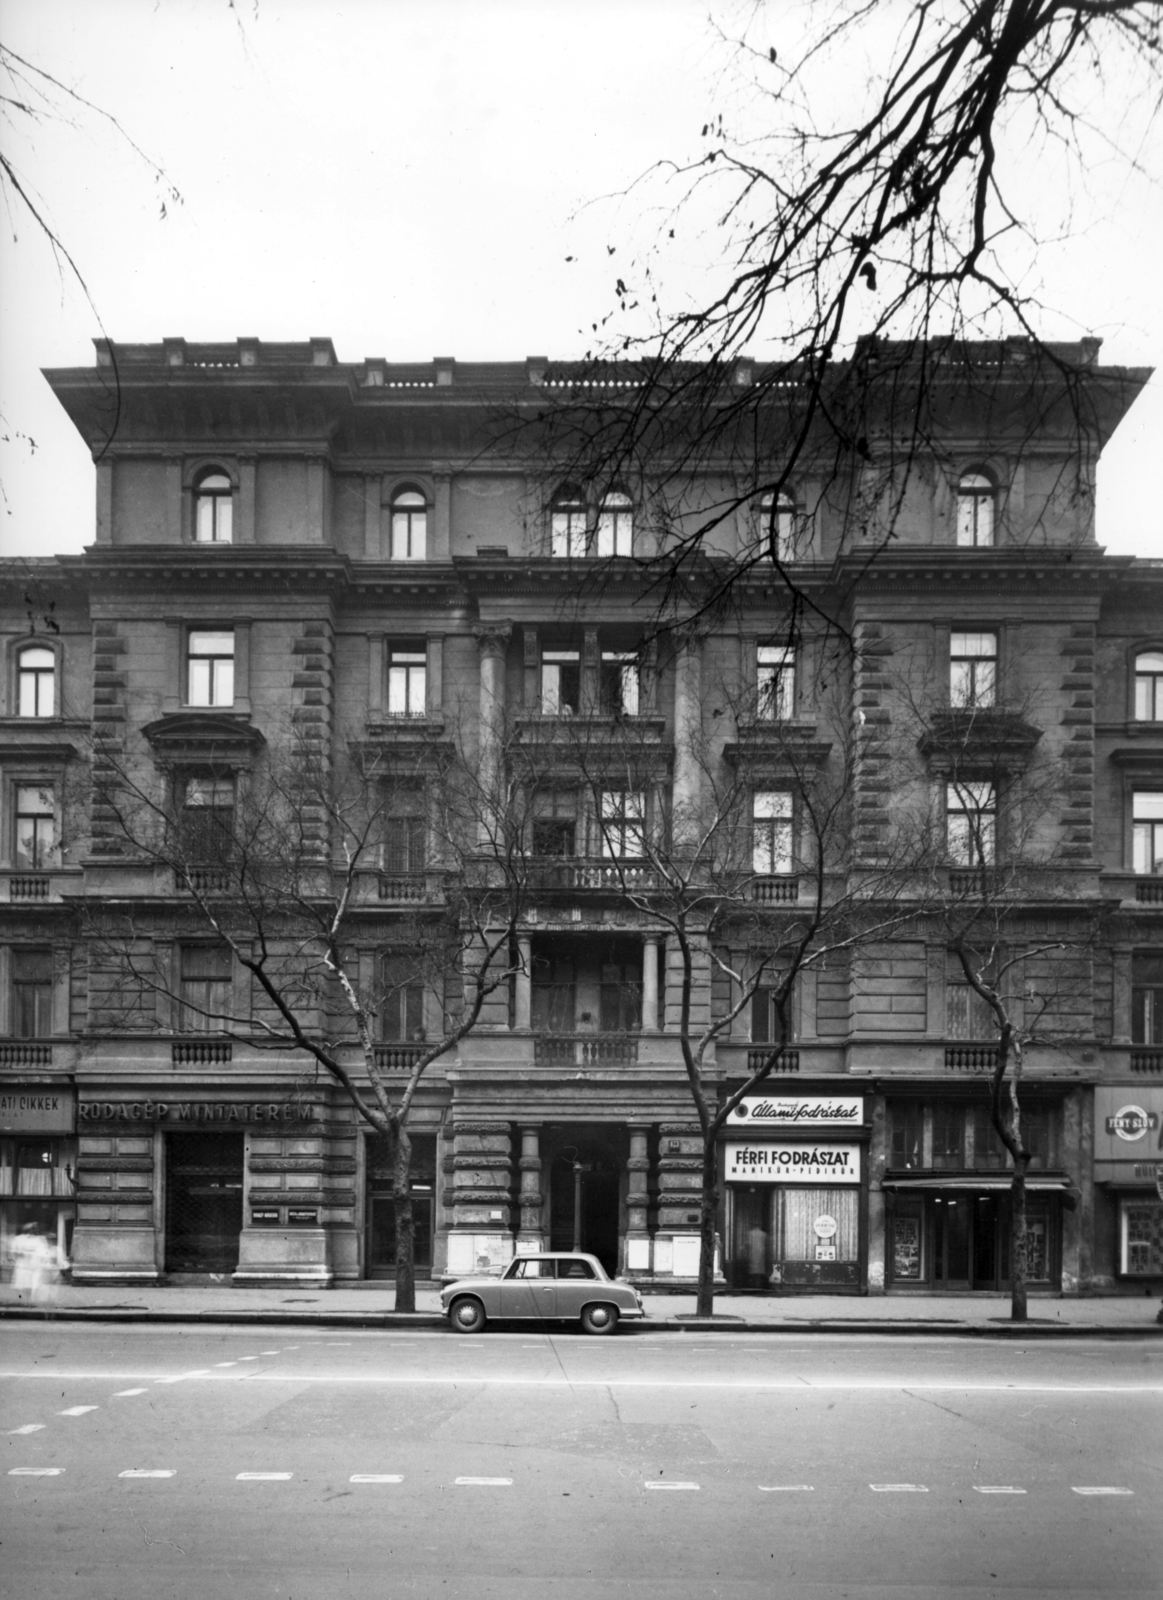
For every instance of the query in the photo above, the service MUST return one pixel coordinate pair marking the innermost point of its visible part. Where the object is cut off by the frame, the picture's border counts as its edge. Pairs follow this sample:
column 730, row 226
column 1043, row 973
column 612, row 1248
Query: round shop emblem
column 1130, row 1123
column 825, row 1227
column 741, row 1109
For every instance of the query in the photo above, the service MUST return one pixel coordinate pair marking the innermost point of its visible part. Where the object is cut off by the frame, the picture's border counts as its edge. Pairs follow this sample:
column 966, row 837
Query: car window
column 574, row 1269
column 528, row 1268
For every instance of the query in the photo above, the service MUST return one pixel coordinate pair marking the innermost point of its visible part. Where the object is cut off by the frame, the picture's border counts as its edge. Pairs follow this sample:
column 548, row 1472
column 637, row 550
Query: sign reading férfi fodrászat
column 784, row 1110
column 791, row 1163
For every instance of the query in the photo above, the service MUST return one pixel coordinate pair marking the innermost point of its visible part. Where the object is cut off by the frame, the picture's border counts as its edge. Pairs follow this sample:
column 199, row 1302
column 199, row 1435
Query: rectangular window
column 620, row 997
column 1147, row 997
column 210, row 667
column 948, row 1134
column 619, row 687
column 1149, row 687
column 568, row 532
column 967, row 1014
column 775, row 675
column 36, row 671
column 905, row 1121
column 971, row 818
column 554, row 836
column 207, row 820
column 407, row 683
column 615, row 535
column 1147, row 831
column 988, row 1150
column 972, row 670
column 31, row 994
column 560, row 683
column 765, row 1018
column 771, row 832
column 1142, row 1238
column 554, row 994
column 402, row 1011
column 205, row 971
column 35, row 826
column 404, row 844
column 622, row 821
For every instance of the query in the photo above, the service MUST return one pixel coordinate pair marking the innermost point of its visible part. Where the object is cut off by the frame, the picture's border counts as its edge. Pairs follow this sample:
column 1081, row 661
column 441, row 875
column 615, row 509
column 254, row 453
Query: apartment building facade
column 288, row 546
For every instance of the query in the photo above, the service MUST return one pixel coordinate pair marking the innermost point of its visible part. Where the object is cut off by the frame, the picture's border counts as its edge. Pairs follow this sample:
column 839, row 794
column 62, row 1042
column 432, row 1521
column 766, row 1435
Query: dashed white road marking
column 263, row 1477
column 77, row 1411
column 123, row 1394
column 996, row 1488
column 486, row 1483
column 785, row 1488
column 218, row 1364
column 1098, row 1489
column 650, row 1485
column 376, row 1477
column 180, row 1377
column 29, row 1427
column 35, row 1472
column 898, row 1488
column 148, row 1472
column 270, row 1352
column 242, row 1358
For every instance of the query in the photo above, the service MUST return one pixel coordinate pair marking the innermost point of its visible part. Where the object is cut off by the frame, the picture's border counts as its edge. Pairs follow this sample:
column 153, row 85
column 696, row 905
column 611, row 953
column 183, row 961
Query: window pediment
column 204, row 738
column 985, row 737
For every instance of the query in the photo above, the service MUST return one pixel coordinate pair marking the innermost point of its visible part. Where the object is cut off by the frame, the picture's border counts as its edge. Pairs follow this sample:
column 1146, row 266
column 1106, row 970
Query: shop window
column 407, row 682
column 204, row 986
column 620, row 997
column 975, row 510
column 402, row 1008
column 213, row 508
column 36, row 676
column 560, row 683
column 908, row 1262
column 771, row 832
column 1147, row 831
column 971, row 823
column 409, row 526
column 905, row 1121
column 1147, row 997
column 36, row 1167
column 567, row 525
column 972, row 670
column 619, row 683
column 35, row 817
column 948, row 1135
column 622, row 822
column 210, row 667
column 405, row 839
column 775, row 683
column 615, row 526
column 32, row 985
column 1141, row 1238
column 207, row 820
column 1149, row 687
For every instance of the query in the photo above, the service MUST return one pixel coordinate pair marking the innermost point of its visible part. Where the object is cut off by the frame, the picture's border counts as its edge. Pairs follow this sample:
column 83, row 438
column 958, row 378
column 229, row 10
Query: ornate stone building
column 287, row 542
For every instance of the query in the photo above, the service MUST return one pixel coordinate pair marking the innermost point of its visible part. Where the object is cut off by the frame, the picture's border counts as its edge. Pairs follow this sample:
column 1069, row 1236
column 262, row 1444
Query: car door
column 575, row 1286
column 531, row 1292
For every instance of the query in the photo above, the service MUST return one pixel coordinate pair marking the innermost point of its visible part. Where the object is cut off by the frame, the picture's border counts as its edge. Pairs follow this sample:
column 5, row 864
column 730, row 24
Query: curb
column 387, row 1320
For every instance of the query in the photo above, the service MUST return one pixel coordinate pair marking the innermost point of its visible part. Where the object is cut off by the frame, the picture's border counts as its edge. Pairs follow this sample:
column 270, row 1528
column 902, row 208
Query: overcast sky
column 408, row 177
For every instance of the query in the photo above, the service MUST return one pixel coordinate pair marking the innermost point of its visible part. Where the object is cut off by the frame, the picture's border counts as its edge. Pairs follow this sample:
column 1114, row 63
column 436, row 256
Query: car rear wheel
column 467, row 1316
column 599, row 1319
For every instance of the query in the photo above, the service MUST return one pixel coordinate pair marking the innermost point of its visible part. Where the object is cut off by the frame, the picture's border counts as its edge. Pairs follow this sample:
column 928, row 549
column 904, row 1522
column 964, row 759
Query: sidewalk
column 1120, row 1316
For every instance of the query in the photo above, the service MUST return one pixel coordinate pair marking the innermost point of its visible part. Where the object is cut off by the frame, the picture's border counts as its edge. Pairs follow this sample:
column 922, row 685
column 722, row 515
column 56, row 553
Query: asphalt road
column 317, row 1465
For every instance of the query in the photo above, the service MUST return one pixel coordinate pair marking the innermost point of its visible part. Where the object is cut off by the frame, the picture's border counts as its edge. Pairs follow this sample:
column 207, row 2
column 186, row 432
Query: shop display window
column 1141, row 1238
column 36, row 1185
column 905, row 1126
column 908, row 1260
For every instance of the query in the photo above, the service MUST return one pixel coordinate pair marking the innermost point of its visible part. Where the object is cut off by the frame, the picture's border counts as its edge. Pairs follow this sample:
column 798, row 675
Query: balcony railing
column 402, row 888
column 785, row 1061
column 1147, row 1060
column 1149, row 891
column 30, row 886
column 201, row 1052
column 398, row 1057
column 776, row 891
column 25, row 1053
column 585, row 1049
column 971, row 1057
column 206, row 880
column 573, row 873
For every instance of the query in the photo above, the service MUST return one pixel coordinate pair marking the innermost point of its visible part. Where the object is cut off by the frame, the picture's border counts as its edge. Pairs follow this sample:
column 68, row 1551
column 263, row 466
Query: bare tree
column 289, row 868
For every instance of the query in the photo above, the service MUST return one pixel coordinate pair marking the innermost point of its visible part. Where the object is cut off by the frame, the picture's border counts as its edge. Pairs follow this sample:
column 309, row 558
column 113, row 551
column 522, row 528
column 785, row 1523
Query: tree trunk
column 1018, row 1241
column 405, row 1232
column 708, row 1210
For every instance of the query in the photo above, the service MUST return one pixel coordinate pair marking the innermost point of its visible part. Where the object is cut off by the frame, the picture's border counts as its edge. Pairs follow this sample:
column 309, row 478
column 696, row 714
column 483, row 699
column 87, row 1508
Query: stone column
column 879, row 1241
column 637, row 1252
column 529, row 1234
column 523, row 1010
column 650, row 984
column 493, row 640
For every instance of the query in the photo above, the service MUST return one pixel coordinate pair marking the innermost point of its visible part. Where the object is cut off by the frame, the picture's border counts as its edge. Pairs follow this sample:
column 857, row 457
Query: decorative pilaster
column 481, row 1238
column 685, row 790
column 637, row 1256
column 493, row 641
column 529, row 1235
column 523, row 1008
column 650, row 984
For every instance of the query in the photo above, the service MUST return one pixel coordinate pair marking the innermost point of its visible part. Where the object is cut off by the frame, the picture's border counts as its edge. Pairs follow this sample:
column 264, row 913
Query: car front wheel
column 599, row 1319
column 467, row 1316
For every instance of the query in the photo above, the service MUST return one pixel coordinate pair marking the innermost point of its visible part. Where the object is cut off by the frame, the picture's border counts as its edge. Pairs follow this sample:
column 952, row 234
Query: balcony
column 602, row 875
column 776, row 891
column 25, row 1053
column 1147, row 1061
column 205, row 881
column 1149, row 891
column 971, row 1057
column 585, row 1049
column 36, row 887
column 785, row 1061
column 203, row 1052
column 402, row 888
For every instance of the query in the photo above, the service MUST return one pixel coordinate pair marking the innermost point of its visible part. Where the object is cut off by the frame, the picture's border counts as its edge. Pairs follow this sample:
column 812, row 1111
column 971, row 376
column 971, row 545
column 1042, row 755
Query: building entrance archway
column 586, row 1164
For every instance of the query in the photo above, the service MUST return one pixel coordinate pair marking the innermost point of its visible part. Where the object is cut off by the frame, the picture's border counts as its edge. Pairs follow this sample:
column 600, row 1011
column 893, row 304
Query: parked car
column 555, row 1285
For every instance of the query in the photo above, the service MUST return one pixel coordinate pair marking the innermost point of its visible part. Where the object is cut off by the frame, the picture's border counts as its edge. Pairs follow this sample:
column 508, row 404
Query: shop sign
column 792, row 1163
column 780, row 1110
column 193, row 1111
column 264, row 1216
column 35, row 1110
column 302, row 1217
column 1128, row 1122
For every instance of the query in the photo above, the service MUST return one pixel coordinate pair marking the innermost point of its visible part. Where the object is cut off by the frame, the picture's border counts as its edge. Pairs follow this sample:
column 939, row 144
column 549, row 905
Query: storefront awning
column 975, row 1185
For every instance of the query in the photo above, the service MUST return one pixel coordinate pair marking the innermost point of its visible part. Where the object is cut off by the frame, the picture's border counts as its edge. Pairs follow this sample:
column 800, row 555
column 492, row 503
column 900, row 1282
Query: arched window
column 1149, row 686
column 409, row 526
column 36, row 675
column 213, row 508
column 567, row 524
column 975, row 508
column 616, row 526
column 781, row 511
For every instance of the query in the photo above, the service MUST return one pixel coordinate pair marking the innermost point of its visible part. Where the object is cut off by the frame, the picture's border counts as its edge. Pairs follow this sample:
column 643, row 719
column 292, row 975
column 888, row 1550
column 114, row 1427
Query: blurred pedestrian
column 34, row 1264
